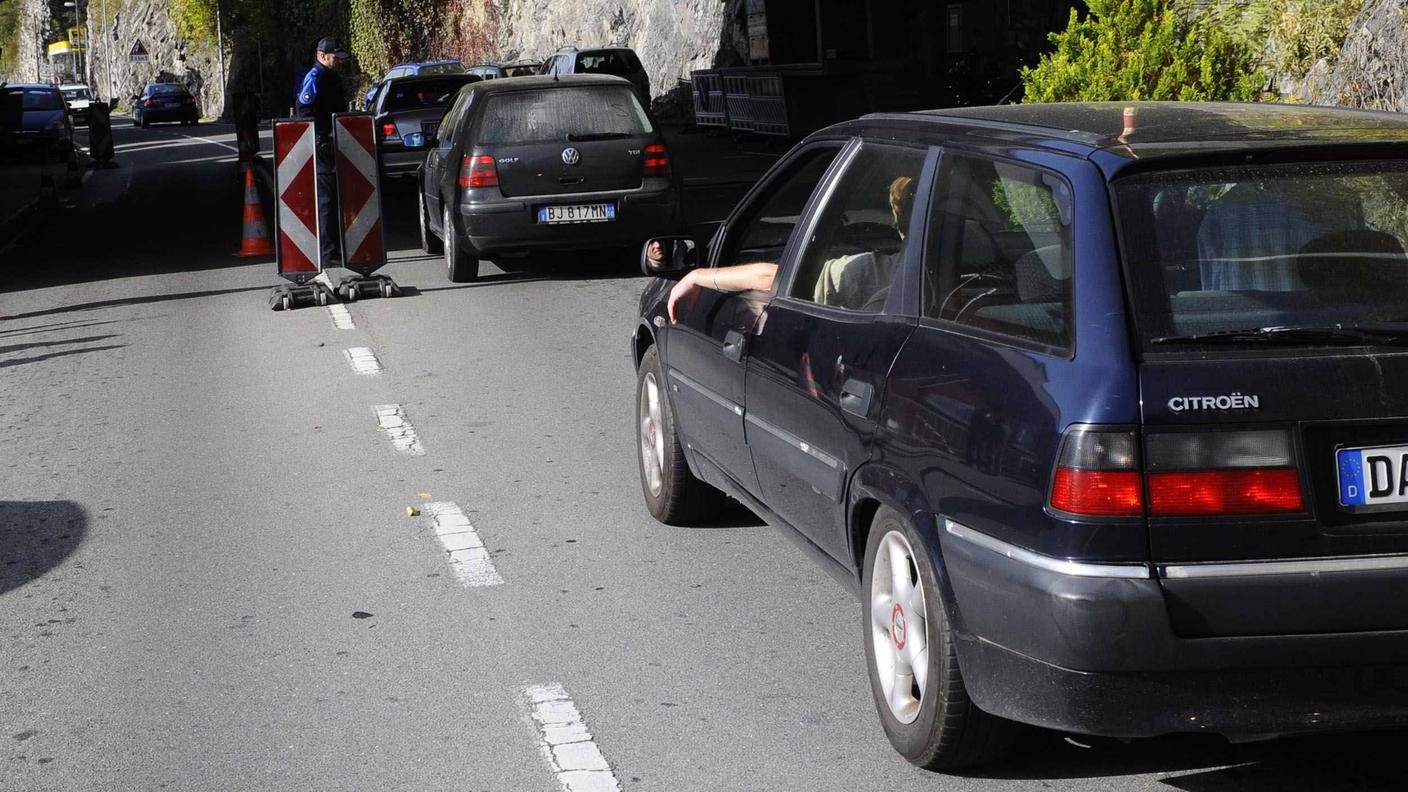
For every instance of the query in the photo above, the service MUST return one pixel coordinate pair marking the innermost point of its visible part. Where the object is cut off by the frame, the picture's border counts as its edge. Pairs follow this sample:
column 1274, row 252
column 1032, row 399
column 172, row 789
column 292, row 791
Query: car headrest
column 1042, row 274
column 1361, row 260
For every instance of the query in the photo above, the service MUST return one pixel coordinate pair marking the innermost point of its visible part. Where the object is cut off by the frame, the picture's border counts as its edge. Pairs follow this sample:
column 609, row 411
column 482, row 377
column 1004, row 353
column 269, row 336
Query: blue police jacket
column 319, row 97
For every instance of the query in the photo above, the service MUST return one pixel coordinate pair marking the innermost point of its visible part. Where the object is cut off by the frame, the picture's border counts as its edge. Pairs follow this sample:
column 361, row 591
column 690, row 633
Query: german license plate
column 1373, row 476
column 577, row 213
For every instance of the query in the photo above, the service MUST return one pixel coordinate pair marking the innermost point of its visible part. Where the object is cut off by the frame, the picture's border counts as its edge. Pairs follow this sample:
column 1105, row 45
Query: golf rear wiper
column 1342, row 335
column 577, row 137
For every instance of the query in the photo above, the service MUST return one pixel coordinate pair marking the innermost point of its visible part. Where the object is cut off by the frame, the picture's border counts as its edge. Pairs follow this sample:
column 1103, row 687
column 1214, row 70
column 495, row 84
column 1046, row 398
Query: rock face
column 171, row 57
column 672, row 37
column 33, row 14
column 1372, row 71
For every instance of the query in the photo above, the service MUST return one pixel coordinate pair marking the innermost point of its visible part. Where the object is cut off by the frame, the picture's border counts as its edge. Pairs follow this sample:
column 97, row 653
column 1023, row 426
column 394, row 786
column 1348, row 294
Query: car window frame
column 1067, row 352
column 763, row 188
column 898, row 302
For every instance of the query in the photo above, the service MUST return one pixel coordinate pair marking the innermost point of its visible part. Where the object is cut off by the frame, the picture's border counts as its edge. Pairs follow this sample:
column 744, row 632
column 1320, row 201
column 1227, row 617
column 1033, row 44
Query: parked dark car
column 538, row 163
column 165, row 102
column 36, row 123
column 1108, row 429
column 408, row 112
column 618, row 61
column 410, row 70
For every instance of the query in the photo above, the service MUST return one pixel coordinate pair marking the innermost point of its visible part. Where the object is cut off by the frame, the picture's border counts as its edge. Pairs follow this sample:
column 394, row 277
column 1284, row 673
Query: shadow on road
column 35, row 537
column 45, row 344
column 151, row 298
column 1207, row 763
column 52, row 355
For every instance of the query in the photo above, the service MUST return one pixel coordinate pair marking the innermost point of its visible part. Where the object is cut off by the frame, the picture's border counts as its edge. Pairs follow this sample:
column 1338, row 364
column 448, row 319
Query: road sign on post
column 359, row 193
column 138, row 53
column 296, row 184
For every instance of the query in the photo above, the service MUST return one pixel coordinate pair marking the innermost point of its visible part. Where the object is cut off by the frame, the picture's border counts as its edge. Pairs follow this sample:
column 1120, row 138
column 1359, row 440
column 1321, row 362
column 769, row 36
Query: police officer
column 319, row 97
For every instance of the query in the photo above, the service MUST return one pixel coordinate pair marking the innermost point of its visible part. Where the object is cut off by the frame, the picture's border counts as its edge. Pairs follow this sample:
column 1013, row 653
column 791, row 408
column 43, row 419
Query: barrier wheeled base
column 286, row 297
column 350, row 288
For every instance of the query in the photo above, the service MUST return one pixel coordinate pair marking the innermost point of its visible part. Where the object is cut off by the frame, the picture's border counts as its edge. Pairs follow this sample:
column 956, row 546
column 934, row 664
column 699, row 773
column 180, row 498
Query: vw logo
column 571, row 156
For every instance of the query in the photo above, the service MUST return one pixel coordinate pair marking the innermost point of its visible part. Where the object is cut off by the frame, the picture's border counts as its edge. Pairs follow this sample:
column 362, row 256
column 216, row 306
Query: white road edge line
column 363, row 360
column 565, row 743
column 403, row 436
column 341, row 317
column 211, row 142
column 468, row 556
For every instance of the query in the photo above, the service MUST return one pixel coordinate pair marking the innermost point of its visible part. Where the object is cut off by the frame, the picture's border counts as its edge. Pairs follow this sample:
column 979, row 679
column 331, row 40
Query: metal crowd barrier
column 710, row 109
column 742, row 101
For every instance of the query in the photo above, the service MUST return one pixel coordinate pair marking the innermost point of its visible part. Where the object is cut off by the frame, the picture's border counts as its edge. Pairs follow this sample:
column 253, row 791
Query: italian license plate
column 577, row 213
column 1373, row 476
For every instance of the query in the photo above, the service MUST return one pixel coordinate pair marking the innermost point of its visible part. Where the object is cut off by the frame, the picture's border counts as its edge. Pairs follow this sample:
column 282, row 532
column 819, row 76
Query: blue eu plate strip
column 1351, row 465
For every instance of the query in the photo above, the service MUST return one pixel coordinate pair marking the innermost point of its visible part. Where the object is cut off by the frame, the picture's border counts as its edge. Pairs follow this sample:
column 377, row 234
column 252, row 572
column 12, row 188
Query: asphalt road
column 209, row 579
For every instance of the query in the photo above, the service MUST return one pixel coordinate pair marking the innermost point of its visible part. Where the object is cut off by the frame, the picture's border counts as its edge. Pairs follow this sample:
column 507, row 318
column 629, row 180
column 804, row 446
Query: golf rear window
column 1217, row 251
column 36, row 99
column 552, row 114
column 169, row 90
column 422, row 93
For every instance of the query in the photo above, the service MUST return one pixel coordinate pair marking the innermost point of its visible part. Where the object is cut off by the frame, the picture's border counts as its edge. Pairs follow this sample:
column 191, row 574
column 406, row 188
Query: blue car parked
column 409, row 70
column 1101, row 409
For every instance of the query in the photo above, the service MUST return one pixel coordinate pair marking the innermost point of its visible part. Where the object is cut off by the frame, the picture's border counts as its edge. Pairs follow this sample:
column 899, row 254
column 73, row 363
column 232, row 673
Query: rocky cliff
column 1372, row 70
column 672, row 37
column 171, row 58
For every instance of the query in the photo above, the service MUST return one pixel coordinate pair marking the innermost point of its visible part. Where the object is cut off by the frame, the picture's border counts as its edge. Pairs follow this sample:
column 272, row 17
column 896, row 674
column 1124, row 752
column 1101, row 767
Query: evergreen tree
column 1127, row 50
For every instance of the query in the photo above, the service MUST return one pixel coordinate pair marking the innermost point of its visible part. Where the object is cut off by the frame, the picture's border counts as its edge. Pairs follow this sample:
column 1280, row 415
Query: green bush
column 194, row 19
column 1126, row 50
column 1301, row 32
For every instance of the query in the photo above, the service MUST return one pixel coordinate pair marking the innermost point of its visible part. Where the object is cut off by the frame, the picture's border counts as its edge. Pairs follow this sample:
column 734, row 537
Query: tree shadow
column 35, row 537
column 56, row 327
column 45, row 344
column 52, row 355
column 146, row 299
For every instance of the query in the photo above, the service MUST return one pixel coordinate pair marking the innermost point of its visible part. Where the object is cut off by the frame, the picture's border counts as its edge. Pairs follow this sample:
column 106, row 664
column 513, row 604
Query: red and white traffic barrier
column 296, row 184
column 359, row 193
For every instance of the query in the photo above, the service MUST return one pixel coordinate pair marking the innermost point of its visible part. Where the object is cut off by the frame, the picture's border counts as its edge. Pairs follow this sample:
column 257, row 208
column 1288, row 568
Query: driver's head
column 901, row 200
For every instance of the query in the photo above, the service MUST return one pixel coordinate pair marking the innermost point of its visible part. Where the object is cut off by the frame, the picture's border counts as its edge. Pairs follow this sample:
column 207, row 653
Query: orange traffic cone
column 256, row 240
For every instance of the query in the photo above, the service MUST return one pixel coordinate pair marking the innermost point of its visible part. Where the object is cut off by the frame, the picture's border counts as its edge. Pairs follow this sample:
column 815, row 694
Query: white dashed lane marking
column 341, row 317
column 468, row 556
column 403, row 436
column 566, row 744
column 363, row 360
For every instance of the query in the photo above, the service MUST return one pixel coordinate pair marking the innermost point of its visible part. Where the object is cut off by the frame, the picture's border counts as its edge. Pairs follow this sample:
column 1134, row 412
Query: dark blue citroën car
column 1101, row 409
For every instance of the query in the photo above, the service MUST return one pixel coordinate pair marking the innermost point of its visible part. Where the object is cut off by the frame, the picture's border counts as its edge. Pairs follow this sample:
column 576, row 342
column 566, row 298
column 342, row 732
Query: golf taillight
column 388, row 129
column 1097, row 474
column 657, row 161
column 478, row 171
column 147, row 103
column 1195, row 474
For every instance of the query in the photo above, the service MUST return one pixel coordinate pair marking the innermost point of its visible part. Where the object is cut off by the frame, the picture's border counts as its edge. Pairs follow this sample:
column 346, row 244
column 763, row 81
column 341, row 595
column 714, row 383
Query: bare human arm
column 740, row 277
